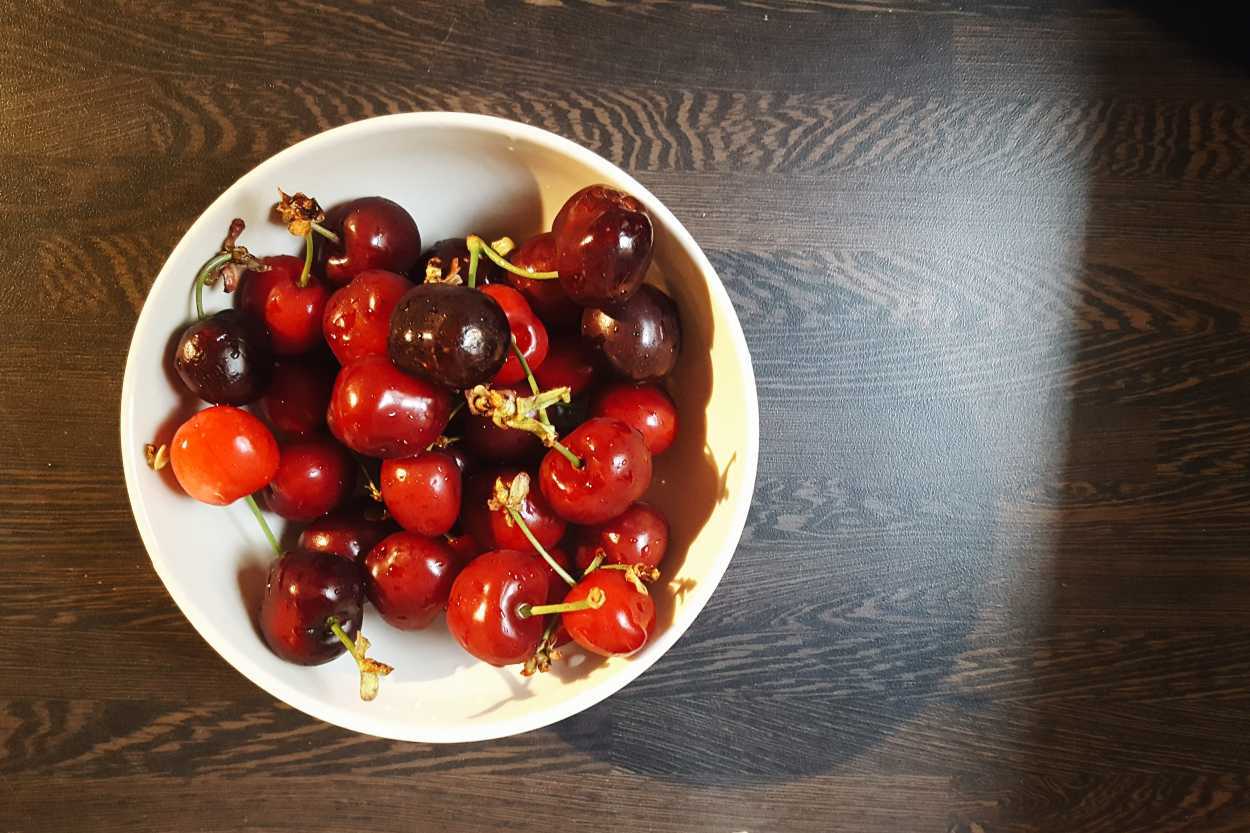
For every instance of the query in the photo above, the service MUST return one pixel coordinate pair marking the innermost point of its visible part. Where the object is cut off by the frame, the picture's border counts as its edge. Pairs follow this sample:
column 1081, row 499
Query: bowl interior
column 455, row 174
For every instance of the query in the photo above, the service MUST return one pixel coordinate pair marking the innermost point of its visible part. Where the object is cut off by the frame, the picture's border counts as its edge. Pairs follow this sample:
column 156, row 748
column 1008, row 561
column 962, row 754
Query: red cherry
column 545, row 297
column 378, row 411
column 482, row 611
column 637, row 536
column 222, row 454
column 557, row 588
column 374, row 233
column 603, row 245
column 291, row 313
column 313, row 477
column 296, row 401
column 527, row 330
column 621, row 626
column 463, row 545
column 570, row 363
column 493, row 529
column 349, row 532
column 305, row 589
column 488, row 442
column 644, row 407
column 422, row 493
column 357, row 320
column 615, row 472
column 408, row 578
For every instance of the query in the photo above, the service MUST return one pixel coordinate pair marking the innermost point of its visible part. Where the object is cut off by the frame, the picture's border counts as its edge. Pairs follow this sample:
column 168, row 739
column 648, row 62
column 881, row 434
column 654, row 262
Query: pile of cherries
column 467, row 429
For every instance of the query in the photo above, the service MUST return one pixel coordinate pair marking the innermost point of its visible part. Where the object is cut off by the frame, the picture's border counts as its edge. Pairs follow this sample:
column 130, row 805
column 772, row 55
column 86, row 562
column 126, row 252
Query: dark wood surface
column 992, row 262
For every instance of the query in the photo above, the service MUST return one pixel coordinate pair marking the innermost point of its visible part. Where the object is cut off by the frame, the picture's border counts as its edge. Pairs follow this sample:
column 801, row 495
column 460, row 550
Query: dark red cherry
column 453, row 258
column 482, row 613
column 374, row 233
column 422, row 492
column 624, row 622
column 349, row 532
column 615, row 472
column 305, row 589
column 570, row 363
column 546, row 297
column 357, row 320
column 528, row 332
column 452, row 335
column 225, row 359
column 464, row 546
column 489, row 443
column 408, row 578
column 291, row 313
column 379, row 411
column 493, row 529
column 644, row 407
column 640, row 338
column 603, row 245
column 314, row 476
column 295, row 403
column 637, row 536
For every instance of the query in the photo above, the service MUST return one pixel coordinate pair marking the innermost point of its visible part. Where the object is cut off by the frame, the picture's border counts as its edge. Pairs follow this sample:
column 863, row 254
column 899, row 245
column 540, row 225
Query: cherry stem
column 204, row 275
column 326, row 233
column 342, row 635
column 529, row 375
column 264, row 525
column 573, row 459
column 475, row 255
column 476, row 243
column 593, row 601
column 308, row 253
column 370, row 486
column 529, row 536
column 600, row 555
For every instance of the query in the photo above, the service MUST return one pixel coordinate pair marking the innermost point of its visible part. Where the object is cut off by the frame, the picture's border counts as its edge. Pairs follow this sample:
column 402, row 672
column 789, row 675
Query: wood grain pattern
column 991, row 262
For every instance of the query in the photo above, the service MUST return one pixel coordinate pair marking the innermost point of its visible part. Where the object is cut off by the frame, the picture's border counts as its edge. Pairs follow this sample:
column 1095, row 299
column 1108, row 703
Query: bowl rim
column 380, row 726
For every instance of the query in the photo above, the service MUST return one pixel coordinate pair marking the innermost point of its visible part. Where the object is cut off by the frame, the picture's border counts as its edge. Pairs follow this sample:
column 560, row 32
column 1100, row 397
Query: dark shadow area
column 1216, row 30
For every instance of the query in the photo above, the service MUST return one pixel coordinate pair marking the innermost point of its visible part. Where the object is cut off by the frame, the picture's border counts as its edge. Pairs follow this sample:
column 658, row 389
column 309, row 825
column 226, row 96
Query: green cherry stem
column 204, row 275
column 477, row 244
column 342, row 635
column 593, row 601
column 308, row 253
column 326, row 233
column 529, row 375
column 264, row 525
column 475, row 256
column 574, row 460
column 529, row 536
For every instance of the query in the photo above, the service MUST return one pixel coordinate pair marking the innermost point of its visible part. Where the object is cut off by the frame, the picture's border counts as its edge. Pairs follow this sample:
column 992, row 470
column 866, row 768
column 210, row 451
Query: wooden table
column 992, row 264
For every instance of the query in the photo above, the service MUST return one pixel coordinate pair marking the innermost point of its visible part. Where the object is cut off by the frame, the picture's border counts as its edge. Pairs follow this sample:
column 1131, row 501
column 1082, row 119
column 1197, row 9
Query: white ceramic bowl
column 455, row 173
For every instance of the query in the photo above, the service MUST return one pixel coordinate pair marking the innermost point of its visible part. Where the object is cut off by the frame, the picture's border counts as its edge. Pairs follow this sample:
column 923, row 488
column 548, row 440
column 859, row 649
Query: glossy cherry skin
column 374, row 233
column 615, row 472
column 637, row 536
column 422, row 492
column 378, row 411
column 492, row 444
column 603, row 245
column 314, row 476
column 493, row 529
column 618, row 628
column 291, row 314
column 225, row 359
column 482, row 611
column 645, row 408
column 296, row 401
column 460, row 456
column 463, row 545
column 222, row 454
column 527, row 330
column 570, row 363
column 546, row 297
column 453, row 257
column 349, row 532
column 357, row 320
column 408, row 578
column 452, row 335
column 640, row 338
column 304, row 590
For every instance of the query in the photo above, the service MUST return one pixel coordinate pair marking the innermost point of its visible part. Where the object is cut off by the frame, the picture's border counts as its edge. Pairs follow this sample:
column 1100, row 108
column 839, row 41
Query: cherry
column 615, row 471
column 490, row 442
column 566, row 416
column 482, row 612
column 494, row 529
column 453, row 259
column 556, row 588
column 357, row 321
column 408, row 578
column 373, row 233
column 222, row 454
column 314, row 476
column 349, row 532
column 296, row 401
column 460, row 456
column 224, row 359
column 528, row 333
column 291, row 313
column 570, row 363
column 645, row 408
column 463, row 545
column 453, row 335
column 545, row 297
column 603, row 245
column 378, row 411
column 640, row 337
column 637, row 536
column 422, row 492
column 624, row 621
column 306, row 590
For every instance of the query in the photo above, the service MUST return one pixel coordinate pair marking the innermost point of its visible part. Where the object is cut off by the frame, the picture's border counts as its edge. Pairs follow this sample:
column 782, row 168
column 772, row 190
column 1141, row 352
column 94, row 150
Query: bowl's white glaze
column 455, row 173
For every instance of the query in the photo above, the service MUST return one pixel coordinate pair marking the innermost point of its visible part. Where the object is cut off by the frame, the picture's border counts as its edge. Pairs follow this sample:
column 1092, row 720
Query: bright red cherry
column 305, row 589
column 298, row 396
column 314, row 476
column 545, row 297
column 408, row 578
column 291, row 313
column 637, row 536
column 222, row 454
column 482, row 613
column 621, row 626
column 570, row 363
column 374, row 233
column 422, row 492
column 349, row 532
column 378, row 411
column 493, row 529
column 490, row 443
column 603, row 245
column 644, row 407
column 357, row 320
column 527, row 330
column 615, row 472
